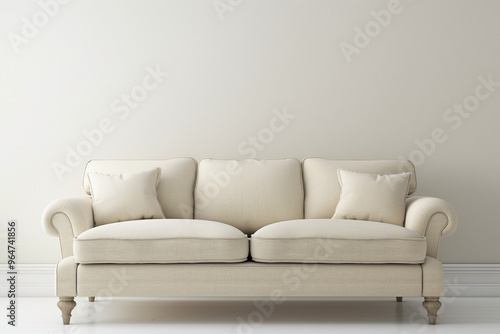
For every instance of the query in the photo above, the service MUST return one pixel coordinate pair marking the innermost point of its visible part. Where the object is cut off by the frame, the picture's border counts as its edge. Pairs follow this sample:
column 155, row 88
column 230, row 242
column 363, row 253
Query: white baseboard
column 472, row 280
column 33, row 280
column 461, row 280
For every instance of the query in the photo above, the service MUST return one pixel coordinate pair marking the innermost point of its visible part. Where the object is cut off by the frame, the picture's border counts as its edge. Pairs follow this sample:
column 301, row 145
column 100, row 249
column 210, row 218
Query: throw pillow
column 374, row 197
column 128, row 196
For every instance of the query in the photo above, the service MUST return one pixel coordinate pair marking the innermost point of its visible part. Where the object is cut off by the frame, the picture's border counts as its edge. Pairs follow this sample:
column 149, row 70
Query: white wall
column 225, row 78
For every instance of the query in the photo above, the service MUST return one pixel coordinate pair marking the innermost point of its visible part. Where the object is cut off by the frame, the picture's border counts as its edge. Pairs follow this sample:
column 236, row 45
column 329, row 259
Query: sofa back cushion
column 322, row 186
column 175, row 187
column 249, row 194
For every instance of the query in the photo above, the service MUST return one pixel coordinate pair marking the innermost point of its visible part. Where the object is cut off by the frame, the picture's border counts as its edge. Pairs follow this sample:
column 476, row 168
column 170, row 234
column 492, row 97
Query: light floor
column 138, row 316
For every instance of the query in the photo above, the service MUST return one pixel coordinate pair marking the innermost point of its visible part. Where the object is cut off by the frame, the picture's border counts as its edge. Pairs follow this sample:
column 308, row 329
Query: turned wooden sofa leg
column 66, row 305
column 432, row 305
column 91, row 299
column 399, row 299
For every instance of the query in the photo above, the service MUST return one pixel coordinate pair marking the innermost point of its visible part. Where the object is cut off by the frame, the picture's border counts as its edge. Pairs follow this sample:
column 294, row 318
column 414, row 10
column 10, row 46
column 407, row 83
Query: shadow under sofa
column 249, row 228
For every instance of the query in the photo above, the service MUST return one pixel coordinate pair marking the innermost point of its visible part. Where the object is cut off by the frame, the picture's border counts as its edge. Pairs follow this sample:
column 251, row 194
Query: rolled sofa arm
column 67, row 218
column 432, row 218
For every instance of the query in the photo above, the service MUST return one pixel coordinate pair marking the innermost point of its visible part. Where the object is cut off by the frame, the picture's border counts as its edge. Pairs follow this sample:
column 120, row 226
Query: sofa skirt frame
column 249, row 279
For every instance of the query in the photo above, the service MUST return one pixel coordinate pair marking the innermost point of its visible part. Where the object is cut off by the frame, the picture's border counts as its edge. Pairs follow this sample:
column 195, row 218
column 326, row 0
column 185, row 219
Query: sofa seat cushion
column 337, row 241
column 161, row 241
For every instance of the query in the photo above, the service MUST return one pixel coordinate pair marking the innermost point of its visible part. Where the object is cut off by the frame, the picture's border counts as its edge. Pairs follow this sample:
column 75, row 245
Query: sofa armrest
column 432, row 218
column 66, row 218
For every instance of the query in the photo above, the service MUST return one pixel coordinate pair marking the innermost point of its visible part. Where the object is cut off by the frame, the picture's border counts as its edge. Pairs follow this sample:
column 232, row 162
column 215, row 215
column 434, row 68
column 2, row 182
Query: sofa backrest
column 249, row 194
column 322, row 187
column 175, row 188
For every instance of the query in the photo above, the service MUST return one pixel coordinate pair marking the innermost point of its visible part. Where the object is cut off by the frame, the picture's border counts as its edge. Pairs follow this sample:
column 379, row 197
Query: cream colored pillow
column 374, row 197
column 122, row 197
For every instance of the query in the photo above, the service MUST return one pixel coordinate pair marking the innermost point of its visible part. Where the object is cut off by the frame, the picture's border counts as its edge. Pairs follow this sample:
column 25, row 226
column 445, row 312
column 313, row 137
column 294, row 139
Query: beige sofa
column 249, row 228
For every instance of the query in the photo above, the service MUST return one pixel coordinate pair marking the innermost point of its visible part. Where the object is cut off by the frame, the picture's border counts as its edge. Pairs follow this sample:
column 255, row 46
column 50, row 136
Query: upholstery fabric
column 249, row 279
column 66, row 277
column 249, row 193
column 322, row 186
column 420, row 209
column 175, row 188
column 161, row 241
column 124, row 197
column 337, row 241
column 67, row 218
column 431, row 217
column 433, row 278
column 374, row 197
